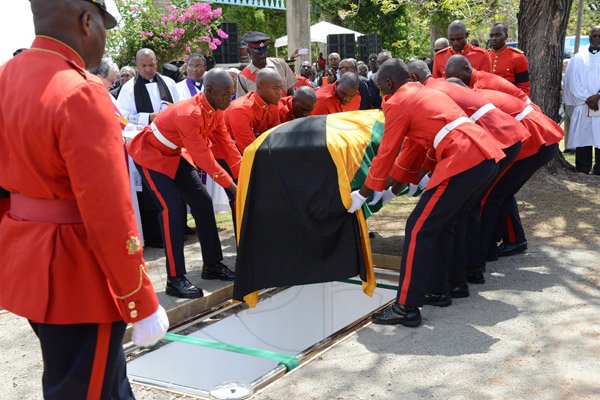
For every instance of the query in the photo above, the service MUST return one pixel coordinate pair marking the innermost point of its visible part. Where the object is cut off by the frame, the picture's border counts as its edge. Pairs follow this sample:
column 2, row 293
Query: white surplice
column 127, row 100
column 581, row 81
column 183, row 90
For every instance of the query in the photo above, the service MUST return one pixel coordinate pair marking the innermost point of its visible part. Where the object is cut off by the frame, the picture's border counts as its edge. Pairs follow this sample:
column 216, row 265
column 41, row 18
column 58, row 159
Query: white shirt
column 127, row 100
column 183, row 91
column 582, row 80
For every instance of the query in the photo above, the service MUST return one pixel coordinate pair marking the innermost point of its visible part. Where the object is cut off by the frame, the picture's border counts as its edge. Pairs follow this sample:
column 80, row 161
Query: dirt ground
column 559, row 212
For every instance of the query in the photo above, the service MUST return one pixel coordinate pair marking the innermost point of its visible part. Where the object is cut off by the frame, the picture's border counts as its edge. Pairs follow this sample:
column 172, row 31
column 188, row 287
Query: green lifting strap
column 289, row 361
column 379, row 285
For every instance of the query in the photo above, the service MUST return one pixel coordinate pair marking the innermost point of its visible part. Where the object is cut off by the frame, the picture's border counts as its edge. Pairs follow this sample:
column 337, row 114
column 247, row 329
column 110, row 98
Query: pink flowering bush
column 182, row 27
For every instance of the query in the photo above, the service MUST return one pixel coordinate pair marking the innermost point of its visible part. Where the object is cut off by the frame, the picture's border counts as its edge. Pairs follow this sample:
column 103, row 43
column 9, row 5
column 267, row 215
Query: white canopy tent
column 319, row 32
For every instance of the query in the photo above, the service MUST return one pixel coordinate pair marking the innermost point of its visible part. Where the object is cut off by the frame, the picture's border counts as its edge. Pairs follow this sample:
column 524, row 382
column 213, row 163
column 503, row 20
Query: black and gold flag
column 293, row 194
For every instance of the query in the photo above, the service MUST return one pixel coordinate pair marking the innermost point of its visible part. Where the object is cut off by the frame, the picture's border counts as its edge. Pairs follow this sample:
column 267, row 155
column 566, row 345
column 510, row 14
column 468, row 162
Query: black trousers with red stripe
column 511, row 230
column 501, row 197
column 427, row 226
column 466, row 233
column 83, row 361
column 167, row 194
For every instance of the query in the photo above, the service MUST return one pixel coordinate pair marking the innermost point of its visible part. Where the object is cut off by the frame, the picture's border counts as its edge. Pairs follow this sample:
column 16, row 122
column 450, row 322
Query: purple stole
column 191, row 87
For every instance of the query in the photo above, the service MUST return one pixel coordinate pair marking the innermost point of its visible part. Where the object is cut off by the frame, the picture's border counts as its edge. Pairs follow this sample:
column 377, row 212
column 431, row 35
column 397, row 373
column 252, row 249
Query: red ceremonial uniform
column 70, row 249
column 191, row 124
column 485, row 80
column 328, row 103
column 248, row 117
column 543, row 130
column 500, row 125
column 302, row 81
column 477, row 56
column 286, row 112
column 430, row 119
column 512, row 65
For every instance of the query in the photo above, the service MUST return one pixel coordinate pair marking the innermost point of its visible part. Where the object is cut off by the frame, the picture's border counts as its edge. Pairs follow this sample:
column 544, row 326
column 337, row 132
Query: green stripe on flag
column 290, row 361
column 379, row 285
column 363, row 170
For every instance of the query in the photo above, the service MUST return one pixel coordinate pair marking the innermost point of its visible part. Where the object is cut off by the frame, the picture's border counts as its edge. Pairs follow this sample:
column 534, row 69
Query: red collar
column 502, row 50
column 204, row 104
column 51, row 45
column 465, row 50
column 258, row 101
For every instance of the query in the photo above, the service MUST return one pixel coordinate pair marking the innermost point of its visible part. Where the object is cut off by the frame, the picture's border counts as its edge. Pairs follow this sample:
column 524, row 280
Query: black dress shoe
column 217, row 271
column 396, row 314
column 476, row 276
column 512, row 249
column 460, row 291
column 438, row 300
column 179, row 286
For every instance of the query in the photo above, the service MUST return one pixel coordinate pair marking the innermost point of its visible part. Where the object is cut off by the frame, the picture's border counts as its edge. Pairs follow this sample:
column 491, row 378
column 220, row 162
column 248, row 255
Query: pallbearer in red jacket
column 341, row 96
column 71, row 254
column 195, row 124
column 537, row 151
column 510, row 134
column 461, row 68
column 301, row 104
column 508, row 62
column 466, row 158
column 250, row 116
column 513, row 235
column 459, row 44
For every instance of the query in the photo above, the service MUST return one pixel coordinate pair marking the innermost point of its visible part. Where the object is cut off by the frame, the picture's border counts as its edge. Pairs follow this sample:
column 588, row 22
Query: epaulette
column 77, row 68
column 517, row 50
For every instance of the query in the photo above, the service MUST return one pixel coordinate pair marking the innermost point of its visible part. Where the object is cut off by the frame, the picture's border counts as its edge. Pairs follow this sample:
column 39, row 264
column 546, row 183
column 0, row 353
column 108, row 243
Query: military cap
column 109, row 20
column 256, row 41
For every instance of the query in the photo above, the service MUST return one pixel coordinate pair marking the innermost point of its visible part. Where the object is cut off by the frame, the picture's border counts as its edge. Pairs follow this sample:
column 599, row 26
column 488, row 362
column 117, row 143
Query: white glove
column 388, row 196
column 424, row 181
column 151, row 329
column 385, row 196
column 413, row 190
column 376, row 197
column 357, row 201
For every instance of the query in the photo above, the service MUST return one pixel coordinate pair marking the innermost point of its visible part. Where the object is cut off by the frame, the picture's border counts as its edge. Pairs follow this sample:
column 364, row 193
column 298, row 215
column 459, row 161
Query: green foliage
column 182, row 27
column 591, row 17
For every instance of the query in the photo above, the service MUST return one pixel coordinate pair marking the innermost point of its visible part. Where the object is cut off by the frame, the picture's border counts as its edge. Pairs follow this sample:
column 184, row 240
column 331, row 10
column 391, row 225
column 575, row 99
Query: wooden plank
column 386, row 261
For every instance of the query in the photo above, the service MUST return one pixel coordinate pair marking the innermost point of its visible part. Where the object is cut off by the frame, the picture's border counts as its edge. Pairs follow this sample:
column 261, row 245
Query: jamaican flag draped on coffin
column 292, row 199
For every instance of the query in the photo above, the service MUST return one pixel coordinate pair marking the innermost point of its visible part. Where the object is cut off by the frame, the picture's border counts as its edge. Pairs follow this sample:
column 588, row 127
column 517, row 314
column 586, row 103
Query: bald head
column 269, row 85
column 146, row 64
column 595, row 38
column 303, row 101
column 457, row 35
column 459, row 67
column 346, row 87
column 457, row 26
column 79, row 24
column 218, row 88
column 391, row 75
column 418, row 70
column 440, row 44
column 457, row 81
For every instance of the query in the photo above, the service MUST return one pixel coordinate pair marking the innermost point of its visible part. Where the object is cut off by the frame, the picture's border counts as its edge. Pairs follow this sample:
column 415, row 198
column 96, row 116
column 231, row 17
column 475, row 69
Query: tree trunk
column 542, row 29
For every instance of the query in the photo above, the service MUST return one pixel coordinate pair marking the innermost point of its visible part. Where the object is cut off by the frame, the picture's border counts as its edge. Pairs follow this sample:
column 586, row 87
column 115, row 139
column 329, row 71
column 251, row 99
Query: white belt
column 524, row 113
column 447, row 128
column 482, row 111
column 528, row 101
column 161, row 138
